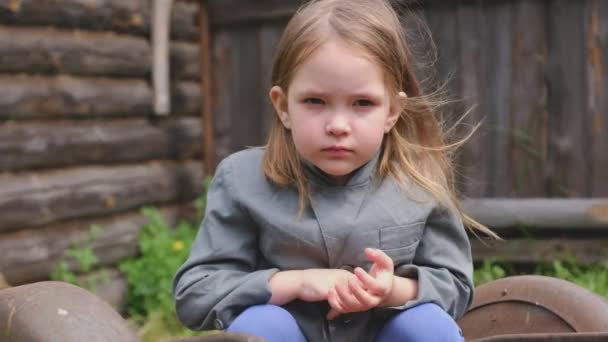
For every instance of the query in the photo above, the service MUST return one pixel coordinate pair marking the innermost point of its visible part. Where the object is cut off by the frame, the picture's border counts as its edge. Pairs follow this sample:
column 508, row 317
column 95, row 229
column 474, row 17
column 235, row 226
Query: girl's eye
column 363, row 103
column 314, row 101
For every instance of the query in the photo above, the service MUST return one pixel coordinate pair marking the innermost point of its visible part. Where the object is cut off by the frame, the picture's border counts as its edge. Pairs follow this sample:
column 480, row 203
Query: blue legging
column 426, row 322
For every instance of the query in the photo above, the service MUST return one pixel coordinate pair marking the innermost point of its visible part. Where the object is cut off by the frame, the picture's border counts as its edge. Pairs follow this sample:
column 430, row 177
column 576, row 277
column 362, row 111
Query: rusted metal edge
column 553, row 337
column 553, row 294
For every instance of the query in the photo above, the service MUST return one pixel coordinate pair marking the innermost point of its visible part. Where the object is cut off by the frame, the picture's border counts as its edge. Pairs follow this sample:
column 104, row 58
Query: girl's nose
column 337, row 125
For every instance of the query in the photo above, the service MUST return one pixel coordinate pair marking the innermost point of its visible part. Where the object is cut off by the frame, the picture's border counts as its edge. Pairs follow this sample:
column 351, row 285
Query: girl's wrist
column 402, row 291
column 285, row 287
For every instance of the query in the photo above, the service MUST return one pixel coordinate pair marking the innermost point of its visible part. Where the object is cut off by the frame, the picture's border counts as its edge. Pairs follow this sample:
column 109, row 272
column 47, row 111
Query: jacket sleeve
column 220, row 278
column 442, row 264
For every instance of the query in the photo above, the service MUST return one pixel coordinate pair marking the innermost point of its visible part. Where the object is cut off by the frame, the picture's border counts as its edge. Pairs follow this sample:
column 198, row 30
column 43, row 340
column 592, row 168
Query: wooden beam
column 542, row 250
column 230, row 12
column 207, row 114
column 43, row 144
column 160, row 55
column 55, row 51
column 124, row 16
column 540, row 213
column 64, row 96
column 36, row 199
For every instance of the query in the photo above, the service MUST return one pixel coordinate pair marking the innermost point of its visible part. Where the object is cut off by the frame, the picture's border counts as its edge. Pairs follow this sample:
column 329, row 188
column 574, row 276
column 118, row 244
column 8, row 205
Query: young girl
column 345, row 226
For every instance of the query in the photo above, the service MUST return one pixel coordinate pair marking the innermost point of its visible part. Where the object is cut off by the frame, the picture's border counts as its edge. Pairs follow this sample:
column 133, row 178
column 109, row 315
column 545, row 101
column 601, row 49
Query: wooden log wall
column 79, row 142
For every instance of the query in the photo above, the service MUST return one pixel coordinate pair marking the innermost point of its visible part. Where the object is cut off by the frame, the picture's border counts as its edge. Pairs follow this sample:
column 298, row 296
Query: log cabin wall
column 533, row 71
column 79, row 142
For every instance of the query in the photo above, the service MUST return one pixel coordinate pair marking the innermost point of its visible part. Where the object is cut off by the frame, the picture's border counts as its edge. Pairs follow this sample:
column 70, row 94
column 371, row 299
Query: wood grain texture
column 31, row 255
column 567, row 169
column 268, row 38
column 125, row 16
column 36, row 199
column 44, row 144
column 533, row 251
column 528, row 116
column 540, row 213
column 596, row 26
column 494, row 105
column 474, row 160
column 65, row 96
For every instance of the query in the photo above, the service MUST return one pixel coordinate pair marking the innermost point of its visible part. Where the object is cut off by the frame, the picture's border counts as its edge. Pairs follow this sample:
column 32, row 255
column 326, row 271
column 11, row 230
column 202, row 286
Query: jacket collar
column 360, row 176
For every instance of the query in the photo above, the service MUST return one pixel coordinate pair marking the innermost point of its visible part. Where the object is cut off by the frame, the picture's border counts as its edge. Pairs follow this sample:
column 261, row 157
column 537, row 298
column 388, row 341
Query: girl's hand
column 366, row 290
column 316, row 283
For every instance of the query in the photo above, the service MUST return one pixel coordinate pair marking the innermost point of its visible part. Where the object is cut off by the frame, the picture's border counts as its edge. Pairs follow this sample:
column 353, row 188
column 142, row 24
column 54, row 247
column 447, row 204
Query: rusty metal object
column 558, row 337
column 533, row 304
column 222, row 337
column 57, row 311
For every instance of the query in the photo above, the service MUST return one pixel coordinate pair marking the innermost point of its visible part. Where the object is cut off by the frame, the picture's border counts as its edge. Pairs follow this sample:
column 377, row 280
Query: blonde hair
column 415, row 147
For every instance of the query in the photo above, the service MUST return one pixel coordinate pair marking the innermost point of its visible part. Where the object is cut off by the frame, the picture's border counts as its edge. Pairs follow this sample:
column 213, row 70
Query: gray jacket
column 251, row 230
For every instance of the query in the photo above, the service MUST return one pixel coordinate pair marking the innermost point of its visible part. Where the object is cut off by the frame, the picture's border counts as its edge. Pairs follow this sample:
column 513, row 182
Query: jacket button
column 348, row 268
column 218, row 324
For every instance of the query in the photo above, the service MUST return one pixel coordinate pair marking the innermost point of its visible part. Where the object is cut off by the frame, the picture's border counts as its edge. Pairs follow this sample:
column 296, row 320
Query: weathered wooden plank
column 65, row 96
column 443, row 25
column 222, row 59
column 44, row 144
column 53, row 51
column 125, row 16
column 237, row 82
column 250, row 12
column 35, row 199
column 568, row 166
column 473, row 157
column 528, row 136
column 494, row 105
column 222, row 12
column 597, row 75
column 247, row 129
column 540, row 213
column 534, row 251
column 31, row 255
column 207, row 113
column 268, row 38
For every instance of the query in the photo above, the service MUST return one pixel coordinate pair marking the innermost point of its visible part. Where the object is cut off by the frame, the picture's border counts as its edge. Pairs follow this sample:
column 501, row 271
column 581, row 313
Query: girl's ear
column 393, row 116
column 395, row 111
column 279, row 102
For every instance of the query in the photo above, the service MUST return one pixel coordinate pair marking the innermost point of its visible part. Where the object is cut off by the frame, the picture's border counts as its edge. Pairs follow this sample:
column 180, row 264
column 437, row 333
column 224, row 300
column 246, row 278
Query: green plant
column 81, row 252
column 593, row 277
column 162, row 249
column 149, row 275
column 488, row 271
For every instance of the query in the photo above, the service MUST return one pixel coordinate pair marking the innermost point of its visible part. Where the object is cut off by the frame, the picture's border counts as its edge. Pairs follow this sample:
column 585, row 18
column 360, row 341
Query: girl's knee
column 268, row 321
column 426, row 322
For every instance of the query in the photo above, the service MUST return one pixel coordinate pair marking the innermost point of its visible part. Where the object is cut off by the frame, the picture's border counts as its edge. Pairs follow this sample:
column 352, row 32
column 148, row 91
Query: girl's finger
column 379, row 258
column 334, row 302
column 364, row 297
column 347, row 299
column 333, row 313
column 370, row 283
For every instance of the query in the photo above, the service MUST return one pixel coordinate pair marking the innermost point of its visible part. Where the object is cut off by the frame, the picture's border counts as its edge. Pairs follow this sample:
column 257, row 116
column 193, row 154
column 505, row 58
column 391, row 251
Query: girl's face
column 337, row 108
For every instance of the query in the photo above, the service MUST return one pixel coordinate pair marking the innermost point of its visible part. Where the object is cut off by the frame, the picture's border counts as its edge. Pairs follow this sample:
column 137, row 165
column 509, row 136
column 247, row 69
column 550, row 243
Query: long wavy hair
column 416, row 147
